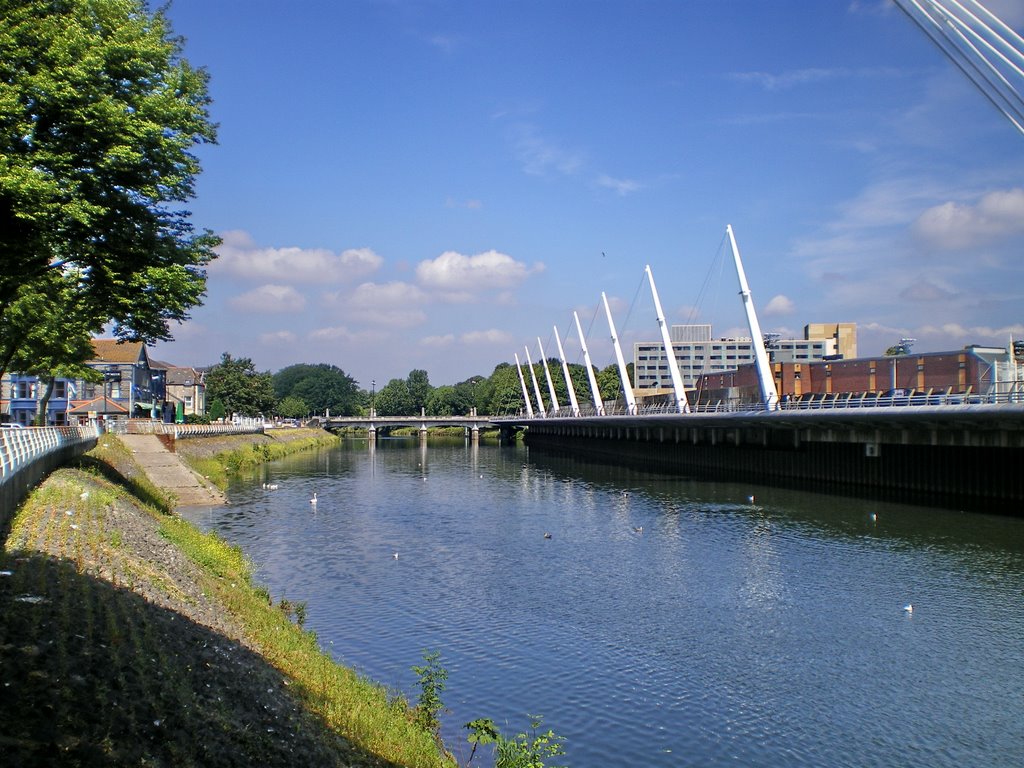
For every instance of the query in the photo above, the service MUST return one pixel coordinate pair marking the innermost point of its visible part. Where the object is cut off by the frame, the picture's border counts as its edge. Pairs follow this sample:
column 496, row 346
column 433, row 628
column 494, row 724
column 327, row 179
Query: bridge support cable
column 769, row 395
column 536, row 386
column 547, row 376
column 594, row 389
column 627, row 385
column 987, row 51
column 573, row 402
column 522, row 383
column 682, row 404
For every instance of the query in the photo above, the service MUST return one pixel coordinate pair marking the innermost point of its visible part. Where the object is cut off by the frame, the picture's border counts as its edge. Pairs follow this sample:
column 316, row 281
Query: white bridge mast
column 568, row 379
column 769, row 395
column 595, row 391
column 536, row 386
column 522, row 383
column 627, row 386
column 677, row 381
column 547, row 375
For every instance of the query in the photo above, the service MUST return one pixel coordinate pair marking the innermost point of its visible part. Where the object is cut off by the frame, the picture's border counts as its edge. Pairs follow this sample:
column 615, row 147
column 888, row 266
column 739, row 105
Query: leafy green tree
column 293, row 408
column 217, row 409
column 610, row 383
column 504, row 390
column 394, row 400
column 99, row 114
column 241, row 389
column 448, row 400
column 419, row 388
column 51, row 344
column 322, row 387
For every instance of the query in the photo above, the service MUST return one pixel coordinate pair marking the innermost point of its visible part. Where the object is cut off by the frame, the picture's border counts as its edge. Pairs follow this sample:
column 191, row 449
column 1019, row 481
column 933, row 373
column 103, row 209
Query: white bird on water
column 909, row 607
column 313, row 500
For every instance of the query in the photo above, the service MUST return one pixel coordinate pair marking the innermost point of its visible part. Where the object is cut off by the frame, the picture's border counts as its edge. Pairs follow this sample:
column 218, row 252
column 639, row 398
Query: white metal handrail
column 843, row 401
column 21, row 447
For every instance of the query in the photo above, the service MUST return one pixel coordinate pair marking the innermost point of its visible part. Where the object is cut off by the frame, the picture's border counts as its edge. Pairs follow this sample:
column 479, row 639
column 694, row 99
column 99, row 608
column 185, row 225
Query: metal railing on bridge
column 835, row 401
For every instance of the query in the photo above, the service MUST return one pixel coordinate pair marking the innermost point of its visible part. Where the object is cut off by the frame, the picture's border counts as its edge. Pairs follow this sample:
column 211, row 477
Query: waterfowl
column 313, row 500
column 547, row 535
column 909, row 607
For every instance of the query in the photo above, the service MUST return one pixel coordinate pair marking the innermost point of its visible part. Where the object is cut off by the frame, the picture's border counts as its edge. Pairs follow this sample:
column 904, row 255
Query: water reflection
column 723, row 632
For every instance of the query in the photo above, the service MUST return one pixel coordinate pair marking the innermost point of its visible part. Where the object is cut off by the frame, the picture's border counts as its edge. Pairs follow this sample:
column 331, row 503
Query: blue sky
column 436, row 184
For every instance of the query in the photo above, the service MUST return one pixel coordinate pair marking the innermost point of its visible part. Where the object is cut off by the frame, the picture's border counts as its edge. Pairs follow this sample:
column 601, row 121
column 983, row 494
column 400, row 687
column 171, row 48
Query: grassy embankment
column 217, row 458
column 130, row 637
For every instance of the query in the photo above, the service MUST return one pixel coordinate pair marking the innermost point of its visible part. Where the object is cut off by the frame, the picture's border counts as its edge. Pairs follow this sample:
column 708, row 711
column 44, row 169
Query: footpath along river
column 665, row 622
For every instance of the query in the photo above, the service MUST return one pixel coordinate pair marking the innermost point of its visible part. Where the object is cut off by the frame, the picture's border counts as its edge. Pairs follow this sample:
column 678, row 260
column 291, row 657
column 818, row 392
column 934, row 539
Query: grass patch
column 357, row 708
column 219, row 467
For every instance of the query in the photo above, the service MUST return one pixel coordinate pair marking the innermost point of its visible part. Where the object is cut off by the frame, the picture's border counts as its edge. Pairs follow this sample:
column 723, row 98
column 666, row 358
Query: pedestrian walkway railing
column 241, row 426
column 841, row 401
column 20, row 448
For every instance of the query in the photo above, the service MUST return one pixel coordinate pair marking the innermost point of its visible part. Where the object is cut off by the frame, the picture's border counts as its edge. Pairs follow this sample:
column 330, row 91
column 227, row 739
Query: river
column 651, row 620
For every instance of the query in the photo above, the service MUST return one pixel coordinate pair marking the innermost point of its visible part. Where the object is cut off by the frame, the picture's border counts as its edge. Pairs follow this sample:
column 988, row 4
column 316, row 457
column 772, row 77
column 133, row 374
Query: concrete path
column 166, row 470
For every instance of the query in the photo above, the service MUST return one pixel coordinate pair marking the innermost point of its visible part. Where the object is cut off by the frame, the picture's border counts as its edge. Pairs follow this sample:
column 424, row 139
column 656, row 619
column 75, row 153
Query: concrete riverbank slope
column 166, row 470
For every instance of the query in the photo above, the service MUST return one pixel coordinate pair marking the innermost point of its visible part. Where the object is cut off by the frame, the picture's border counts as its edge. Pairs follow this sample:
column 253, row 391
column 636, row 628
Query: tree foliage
column 418, row 383
column 240, row 387
column 395, row 400
column 99, row 114
column 321, row 387
column 293, row 407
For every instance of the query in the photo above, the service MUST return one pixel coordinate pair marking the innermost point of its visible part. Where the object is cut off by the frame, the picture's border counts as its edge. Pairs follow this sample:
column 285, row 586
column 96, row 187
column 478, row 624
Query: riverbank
column 215, row 458
column 131, row 638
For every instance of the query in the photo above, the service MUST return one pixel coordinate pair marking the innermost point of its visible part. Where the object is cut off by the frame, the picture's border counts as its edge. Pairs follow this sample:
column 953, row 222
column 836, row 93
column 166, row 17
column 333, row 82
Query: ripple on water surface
column 722, row 633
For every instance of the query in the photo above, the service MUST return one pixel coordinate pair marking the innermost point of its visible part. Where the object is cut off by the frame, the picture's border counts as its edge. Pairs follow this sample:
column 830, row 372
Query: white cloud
column 797, row 77
column 466, row 276
column 342, row 334
column 277, row 299
column 954, row 226
column 621, row 186
column 278, row 338
column 492, row 336
column 779, row 305
column 926, row 290
column 473, row 205
column 240, row 256
column 394, row 305
column 438, row 341
column 369, row 295
column 540, row 156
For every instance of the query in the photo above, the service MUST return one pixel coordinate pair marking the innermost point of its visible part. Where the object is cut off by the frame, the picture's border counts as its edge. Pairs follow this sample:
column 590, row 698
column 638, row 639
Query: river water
column 665, row 622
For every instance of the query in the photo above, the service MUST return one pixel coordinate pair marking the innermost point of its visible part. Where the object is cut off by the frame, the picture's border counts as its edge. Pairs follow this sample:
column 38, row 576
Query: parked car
column 11, row 425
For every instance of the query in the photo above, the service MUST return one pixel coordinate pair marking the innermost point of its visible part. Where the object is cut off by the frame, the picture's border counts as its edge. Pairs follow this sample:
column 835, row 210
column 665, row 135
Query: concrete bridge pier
column 423, row 435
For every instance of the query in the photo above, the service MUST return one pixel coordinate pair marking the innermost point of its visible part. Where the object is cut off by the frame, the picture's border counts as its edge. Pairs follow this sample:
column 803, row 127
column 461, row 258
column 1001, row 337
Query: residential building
column 126, row 389
column 184, row 388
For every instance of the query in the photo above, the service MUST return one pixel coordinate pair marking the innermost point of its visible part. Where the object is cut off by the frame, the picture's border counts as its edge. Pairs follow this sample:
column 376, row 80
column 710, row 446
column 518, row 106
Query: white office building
column 698, row 353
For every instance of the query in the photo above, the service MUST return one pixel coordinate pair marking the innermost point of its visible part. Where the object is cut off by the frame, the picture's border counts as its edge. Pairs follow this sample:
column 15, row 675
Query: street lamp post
column 373, row 397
